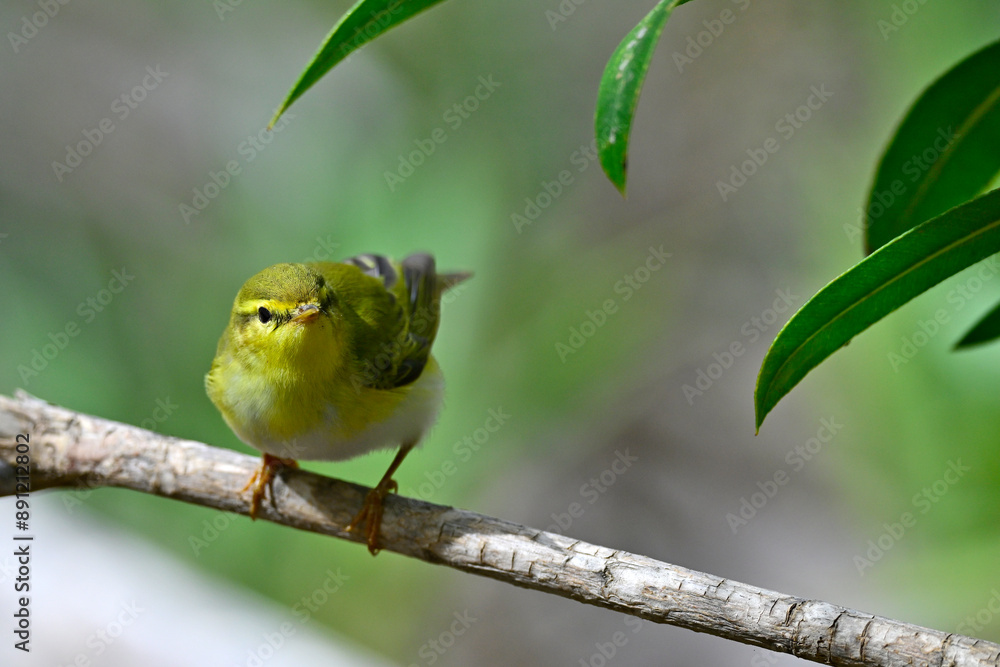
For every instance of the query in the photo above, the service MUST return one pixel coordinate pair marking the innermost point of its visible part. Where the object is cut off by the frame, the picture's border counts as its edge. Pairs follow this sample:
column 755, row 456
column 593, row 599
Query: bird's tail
column 448, row 280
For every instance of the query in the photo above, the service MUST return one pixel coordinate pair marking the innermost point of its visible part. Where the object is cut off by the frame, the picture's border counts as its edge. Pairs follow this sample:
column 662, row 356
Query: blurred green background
column 318, row 188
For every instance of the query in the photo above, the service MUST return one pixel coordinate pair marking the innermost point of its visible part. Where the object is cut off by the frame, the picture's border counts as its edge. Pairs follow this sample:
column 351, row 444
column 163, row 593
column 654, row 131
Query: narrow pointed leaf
column 986, row 330
column 362, row 23
column 945, row 152
column 618, row 93
column 885, row 280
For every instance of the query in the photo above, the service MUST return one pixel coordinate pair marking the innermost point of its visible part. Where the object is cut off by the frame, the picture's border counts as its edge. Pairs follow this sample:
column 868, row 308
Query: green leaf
column 618, row 93
column 986, row 330
column 880, row 283
column 362, row 23
column 946, row 151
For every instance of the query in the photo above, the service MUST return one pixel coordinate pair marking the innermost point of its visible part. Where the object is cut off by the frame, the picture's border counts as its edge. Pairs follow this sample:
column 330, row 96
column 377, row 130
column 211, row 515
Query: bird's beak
column 307, row 312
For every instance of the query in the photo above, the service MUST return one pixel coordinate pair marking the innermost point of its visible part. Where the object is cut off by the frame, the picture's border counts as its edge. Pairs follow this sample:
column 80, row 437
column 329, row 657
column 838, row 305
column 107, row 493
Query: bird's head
column 286, row 314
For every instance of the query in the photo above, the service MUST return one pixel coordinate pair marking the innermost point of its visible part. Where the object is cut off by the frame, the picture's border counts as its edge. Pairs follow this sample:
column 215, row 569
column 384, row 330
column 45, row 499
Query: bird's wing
column 397, row 307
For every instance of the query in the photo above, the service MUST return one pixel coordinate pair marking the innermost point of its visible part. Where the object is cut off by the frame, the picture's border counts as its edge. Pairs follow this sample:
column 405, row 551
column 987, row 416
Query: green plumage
column 391, row 309
column 326, row 361
column 398, row 306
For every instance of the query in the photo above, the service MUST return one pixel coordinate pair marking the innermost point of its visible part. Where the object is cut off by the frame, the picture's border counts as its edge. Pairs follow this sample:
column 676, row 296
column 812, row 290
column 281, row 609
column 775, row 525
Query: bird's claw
column 370, row 515
column 262, row 480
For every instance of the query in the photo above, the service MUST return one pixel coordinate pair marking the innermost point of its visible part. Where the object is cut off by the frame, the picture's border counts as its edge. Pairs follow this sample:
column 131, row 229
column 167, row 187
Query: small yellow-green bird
column 325, row 361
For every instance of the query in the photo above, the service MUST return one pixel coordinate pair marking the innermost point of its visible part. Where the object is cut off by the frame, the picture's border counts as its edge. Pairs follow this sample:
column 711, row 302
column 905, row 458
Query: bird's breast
column 332, row 420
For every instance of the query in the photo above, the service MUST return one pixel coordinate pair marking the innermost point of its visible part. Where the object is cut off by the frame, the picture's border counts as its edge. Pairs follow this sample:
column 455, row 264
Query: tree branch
column 69, row 449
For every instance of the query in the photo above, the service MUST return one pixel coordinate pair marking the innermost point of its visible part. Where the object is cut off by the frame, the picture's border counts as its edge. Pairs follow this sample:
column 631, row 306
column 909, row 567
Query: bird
column 325, row 361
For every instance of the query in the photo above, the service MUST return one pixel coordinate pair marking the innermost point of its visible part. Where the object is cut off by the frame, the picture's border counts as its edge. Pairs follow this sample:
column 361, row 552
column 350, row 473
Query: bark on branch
column 69, row 449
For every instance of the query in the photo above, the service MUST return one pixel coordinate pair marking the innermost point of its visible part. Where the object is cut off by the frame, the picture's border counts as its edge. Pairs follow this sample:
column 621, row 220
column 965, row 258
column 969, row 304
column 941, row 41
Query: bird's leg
column 371, row 512
column 263, row 480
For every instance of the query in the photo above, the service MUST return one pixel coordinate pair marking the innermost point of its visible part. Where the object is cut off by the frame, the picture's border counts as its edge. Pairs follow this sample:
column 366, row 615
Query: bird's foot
column 370, row 515
column 262, row 480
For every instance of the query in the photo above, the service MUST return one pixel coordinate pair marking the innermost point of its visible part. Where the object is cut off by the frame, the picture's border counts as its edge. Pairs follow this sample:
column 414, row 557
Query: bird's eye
column 264, row 315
